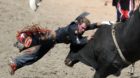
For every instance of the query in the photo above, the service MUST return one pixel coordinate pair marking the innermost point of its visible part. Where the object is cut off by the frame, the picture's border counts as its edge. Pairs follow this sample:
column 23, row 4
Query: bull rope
column 117, row 46
column 120, row 52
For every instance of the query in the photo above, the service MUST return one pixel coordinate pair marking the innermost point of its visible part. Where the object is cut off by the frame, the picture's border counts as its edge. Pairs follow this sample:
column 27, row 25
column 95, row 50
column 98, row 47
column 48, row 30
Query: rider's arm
column 93, row 26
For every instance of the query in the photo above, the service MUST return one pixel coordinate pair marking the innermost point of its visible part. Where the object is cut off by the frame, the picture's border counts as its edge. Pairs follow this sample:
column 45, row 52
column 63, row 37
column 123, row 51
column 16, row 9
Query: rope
column 117, row 46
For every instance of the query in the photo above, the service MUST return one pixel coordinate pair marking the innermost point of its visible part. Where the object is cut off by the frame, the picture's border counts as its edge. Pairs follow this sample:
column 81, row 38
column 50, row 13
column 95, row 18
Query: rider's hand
column 89, row 37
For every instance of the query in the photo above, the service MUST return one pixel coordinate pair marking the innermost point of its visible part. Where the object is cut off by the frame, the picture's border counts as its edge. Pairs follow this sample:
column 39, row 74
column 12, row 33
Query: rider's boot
column 12, row 67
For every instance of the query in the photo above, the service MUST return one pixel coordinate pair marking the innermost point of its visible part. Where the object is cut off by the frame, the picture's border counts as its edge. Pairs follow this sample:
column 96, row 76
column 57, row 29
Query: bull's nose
column 68, row 62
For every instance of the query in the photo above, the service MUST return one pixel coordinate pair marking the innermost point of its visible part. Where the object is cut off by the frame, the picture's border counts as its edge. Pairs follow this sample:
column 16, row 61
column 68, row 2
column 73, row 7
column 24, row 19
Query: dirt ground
column 16, row 14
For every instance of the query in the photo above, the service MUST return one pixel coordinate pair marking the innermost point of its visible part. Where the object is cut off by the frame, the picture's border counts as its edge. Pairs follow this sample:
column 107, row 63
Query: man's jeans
column 33, row 54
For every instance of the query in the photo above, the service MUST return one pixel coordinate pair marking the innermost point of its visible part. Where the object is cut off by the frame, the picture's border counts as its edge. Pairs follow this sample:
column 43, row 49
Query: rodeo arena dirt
column 16, row 14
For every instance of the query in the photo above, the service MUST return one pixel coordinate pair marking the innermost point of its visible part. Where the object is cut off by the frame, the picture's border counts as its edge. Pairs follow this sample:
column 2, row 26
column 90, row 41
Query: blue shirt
column 67, row 34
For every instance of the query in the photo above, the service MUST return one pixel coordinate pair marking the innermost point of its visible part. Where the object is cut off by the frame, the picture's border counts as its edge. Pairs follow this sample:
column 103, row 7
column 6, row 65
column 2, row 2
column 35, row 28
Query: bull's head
column 71, row 59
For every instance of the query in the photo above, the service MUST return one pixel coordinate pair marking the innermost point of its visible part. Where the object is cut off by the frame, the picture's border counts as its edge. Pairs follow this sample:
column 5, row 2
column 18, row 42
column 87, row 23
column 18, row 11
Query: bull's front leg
column 98, row 75
column 101, row 72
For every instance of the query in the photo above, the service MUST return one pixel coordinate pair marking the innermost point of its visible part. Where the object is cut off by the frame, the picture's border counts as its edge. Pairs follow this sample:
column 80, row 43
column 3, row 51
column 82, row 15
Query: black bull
column 101, row 52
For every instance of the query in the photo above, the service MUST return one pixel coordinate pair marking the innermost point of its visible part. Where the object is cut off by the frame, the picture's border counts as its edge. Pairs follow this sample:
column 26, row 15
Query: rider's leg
column 30, row 56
